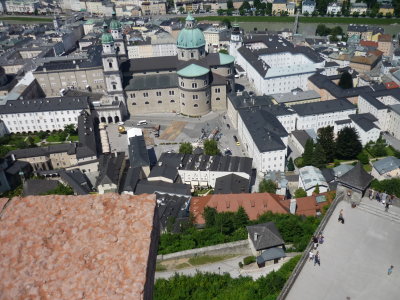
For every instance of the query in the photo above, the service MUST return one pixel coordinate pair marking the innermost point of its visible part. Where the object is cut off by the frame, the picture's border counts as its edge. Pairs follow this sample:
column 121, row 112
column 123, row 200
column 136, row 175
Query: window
column 205, row 82
column 158, row 93
column 116, row 98
column 133, row 95
column 229, row 71
column 114, row 86
column 217, row 90
column 182, row 95
column 110, row 64
column 195, row 97
column 183, row 103
column 172, row 101
column 147, row 102
column 182, row 54
column 196, row 105
column 191, row 54
column 218, row 99
column 145, row 95
column 194, row 85
column 133, row 103
column 159, row 102
column 171, row 93
column 182, row 84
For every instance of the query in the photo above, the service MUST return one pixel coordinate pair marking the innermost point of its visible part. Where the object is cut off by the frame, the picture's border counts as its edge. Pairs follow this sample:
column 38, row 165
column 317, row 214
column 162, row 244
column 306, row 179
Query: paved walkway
column 355, row 257
column 230, row 266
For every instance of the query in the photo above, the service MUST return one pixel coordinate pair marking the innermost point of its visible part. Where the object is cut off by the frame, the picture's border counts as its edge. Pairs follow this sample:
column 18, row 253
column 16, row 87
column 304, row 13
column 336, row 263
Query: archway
column 116, row 118
column 103, row 119
column 110, row 120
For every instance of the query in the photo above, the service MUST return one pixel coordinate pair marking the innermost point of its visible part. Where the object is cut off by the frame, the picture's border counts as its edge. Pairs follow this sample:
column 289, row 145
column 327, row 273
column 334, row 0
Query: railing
column 289, row 283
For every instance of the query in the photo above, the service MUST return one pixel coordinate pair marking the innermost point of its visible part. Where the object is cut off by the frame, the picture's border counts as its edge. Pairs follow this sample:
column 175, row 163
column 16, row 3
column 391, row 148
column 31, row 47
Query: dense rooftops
column 323, row 107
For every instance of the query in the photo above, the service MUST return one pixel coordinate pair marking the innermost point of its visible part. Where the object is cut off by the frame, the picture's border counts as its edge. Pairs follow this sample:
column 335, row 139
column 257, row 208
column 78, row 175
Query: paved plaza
column 355, row 257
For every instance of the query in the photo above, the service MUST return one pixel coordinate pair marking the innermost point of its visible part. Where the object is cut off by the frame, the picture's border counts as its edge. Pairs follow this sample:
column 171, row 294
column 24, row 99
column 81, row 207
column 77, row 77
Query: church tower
column 112, row 75
column 116, row 32
column 236, row 40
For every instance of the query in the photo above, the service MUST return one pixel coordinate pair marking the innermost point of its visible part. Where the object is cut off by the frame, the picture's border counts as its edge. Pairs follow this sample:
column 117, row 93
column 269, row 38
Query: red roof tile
column 391, row 85
column 78, row 247
column 368, row 43
column 254, row 204
column 307, row 206
column 387, row 38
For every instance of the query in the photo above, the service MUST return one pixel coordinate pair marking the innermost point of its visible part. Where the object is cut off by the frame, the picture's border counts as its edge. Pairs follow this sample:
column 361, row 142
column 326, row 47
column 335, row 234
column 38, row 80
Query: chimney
column 293, row 206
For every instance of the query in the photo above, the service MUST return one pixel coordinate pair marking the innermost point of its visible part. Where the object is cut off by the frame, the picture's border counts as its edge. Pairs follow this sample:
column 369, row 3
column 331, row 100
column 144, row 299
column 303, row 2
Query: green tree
column 226, row 22
column 322, row 30
column 316, row 190
column 229, row 4
column 186, row 148
column 61, row 189
column 223, row 51
column 181, row 9
column 319, row 157
column 211, row 147
column 241, row 218
column 20, row 144
column 268, row 9
column 42, row 134
column 245, row 5
column 220, row 12
column 267, row 186
column 363, row 158
column 70, row 129
column 348, row 144
column 346, row 80
column 300, row 193
column 30, row 141
column 308, row 153
column 326, row 139
column 290, row 165
column 209, row 215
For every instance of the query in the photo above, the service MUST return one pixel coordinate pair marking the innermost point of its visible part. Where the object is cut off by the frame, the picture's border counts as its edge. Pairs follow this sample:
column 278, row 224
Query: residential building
column 296, row 97
column 46, row 114
column 298, row 139
column 279, row 6
column 321, row 114
column 386, row 168
column 153, row 8
column 393, row 120
column 385, row 44
column 22, row 6
column 266, row 243
column 291, row 8
column 334, row 8
column 386, row 8
column 308, row 6
column 308, row 206
column 365, row 32
column 216, row 38
column 310, row 177
column 274, row 65
column 360, row 8
column 111, row 167
column 162, row 44
column 231, row 184
column 365, row 63
column 102, row 249
column 366, row 127
column 255, row 204
column 173, row 210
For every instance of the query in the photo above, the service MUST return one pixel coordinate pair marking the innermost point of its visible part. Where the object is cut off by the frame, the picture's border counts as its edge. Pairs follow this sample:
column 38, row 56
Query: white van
column 142, row 122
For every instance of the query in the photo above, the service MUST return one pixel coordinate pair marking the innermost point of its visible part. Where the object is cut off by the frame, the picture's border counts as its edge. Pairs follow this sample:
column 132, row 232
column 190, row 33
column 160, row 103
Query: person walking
column 341, row 218
column 390, row 270
column 315, row 241
column 311, row 255
column 320, row 238
column 317, row 259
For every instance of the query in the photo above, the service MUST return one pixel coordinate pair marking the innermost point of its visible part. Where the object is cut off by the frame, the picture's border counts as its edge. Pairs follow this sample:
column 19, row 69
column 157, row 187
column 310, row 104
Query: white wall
column 322, row 120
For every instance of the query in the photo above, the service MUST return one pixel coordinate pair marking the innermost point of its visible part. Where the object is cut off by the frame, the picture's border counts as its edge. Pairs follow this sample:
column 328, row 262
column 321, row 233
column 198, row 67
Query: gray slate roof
column 270, row 254
column 231, row 184
column 35, row 187
column 110, row 167
column 43, row 151
column 301, row 136
column 268, row 236
column 323, row 107
column 357, row 178
column 149, row 82
column 150, row 187
column 365, row 121
column 386, row 164
column 77, row 181
column 138, row 154
column 371, row 97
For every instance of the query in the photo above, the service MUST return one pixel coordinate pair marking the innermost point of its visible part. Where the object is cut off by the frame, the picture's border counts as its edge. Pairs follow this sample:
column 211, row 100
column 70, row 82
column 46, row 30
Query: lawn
column 367, row 167
column 26, row 19
column 206, row 259
column 73, row 138
column 322, row 20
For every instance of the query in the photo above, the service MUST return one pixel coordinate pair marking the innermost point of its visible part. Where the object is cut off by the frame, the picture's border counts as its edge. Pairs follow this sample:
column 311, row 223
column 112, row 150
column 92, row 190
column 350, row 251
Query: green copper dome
column 106, row 37
column 115, row 24
column 190, row 37
column 193, row 70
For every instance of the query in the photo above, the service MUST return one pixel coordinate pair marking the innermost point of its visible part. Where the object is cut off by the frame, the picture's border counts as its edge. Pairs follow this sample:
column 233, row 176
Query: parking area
column 176, row 129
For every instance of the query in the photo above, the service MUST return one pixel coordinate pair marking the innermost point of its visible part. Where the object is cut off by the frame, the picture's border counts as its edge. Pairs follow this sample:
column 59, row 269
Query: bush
column 240, row 264
column 249, row 260
column 363, row 158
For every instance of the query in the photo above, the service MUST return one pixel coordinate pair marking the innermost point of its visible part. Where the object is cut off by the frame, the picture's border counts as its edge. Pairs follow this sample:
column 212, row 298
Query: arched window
column 147, row 102
column 133, row 103
column 116, row 98
column 159, row 102
column 110, row 64
column 218, row 99
column 191, row 54
column 196, row 105
column 172, row 101
column 114, row 86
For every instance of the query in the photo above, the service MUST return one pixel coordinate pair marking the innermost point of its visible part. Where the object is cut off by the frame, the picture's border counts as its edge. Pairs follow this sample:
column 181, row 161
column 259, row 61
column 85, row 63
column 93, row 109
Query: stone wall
column 239, row 247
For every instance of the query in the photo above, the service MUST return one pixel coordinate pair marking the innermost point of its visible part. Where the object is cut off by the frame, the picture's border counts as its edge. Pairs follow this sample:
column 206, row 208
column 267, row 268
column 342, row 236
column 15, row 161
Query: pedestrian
column 370, row 194
column 390, row 270
column 378, row 197
column 317, row 259
column 321, row 238
column 315, row 241
column 341, row 218
column 311, row 255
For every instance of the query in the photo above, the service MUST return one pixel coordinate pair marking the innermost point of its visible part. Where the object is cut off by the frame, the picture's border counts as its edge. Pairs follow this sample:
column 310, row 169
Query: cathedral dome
column 115, row 24
column 106, row 37
column 190, row 37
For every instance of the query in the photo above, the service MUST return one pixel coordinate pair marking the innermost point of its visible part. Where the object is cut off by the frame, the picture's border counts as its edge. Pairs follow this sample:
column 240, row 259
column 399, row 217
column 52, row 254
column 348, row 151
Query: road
column 230, row 266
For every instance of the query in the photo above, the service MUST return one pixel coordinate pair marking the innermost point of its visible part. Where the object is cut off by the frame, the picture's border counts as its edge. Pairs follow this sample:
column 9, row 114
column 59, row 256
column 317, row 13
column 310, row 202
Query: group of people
column 383, row 198
column 317, row 240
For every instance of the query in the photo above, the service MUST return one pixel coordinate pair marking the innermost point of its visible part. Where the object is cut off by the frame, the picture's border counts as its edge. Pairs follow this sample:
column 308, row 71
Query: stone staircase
column 377, row 209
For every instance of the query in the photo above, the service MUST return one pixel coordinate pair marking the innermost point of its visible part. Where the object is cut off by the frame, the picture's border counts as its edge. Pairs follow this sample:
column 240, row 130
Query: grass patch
column 73, row 138
column 160, row 267
column 367, row 168
column 247, row 18
column 27, row 19
column 207, row 259
column 182, row 266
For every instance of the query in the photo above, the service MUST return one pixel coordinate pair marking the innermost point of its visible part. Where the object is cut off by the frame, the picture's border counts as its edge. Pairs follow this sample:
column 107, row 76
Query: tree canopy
column 326, row 139
column 346, row 80
column 308, row 153
column 300, row 193
column 186, row 148
column 211, row 147
column 348, row 144
column 267, row 186
column 290, row 165
column 61, row 189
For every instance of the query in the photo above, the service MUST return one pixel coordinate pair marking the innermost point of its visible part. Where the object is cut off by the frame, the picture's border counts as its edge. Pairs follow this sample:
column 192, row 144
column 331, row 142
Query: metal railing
column 304, row 258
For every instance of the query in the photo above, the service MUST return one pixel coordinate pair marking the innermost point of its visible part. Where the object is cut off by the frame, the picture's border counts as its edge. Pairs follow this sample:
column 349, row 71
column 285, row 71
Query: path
column 230, row 266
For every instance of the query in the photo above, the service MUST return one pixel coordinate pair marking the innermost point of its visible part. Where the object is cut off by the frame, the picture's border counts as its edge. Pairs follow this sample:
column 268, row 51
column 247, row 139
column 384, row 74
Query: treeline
column 229, row 227
column 389, row 186
column 213, row 286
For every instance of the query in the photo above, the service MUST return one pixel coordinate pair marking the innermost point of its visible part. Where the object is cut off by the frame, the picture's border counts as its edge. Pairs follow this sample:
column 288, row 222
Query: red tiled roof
column 391, row 85
column 307, row 206
column 255, row 204
column 369, row 43
column 375, row 53
column 75, row 247
column 386, row 38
